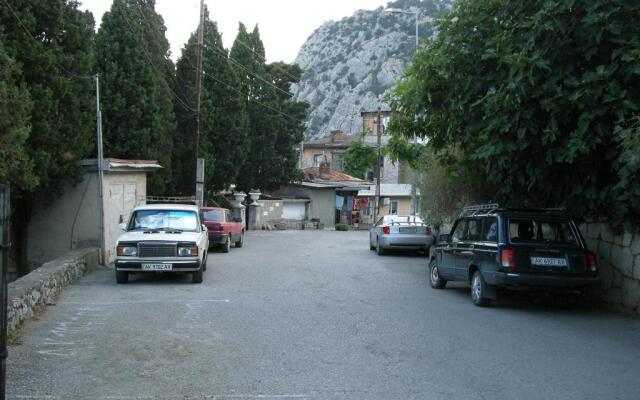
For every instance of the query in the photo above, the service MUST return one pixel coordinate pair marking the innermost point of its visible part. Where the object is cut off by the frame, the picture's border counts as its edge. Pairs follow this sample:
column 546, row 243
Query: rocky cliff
column 349, row 65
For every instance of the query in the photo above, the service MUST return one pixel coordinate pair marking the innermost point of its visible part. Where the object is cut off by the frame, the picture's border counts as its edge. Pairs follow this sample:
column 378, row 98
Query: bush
column 342, row 227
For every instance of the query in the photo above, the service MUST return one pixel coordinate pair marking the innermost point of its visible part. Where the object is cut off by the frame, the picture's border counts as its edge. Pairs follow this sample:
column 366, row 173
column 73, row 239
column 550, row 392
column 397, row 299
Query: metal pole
column 103, row 258
column 417, row 38
column 4, row 266
column 377, row 203
column 196, row 141
column 414, row 175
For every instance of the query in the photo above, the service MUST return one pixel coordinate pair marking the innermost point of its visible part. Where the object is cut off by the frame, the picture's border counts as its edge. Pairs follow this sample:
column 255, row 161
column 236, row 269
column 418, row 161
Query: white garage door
column 122, row 199
column 294, row 211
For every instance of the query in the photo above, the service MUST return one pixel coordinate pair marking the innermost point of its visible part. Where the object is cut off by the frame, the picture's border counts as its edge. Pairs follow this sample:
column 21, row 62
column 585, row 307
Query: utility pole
column 5, row 244
column 199, row 190
column 103, row 259
column 376, row 210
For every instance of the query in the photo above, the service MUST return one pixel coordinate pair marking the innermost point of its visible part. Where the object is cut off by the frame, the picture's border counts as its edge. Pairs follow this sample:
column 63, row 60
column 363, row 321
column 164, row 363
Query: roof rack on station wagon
column 479, row 209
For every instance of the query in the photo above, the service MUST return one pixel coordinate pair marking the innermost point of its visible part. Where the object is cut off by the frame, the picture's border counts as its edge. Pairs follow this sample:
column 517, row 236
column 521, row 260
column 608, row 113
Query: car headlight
column 187, row 251
column 128, row 251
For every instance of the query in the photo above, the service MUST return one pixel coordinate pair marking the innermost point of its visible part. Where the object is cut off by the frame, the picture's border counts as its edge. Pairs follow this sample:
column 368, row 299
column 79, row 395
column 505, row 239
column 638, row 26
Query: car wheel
column 240, row 241
column 227, row 245
column 196, row 276
column 122, row 276
column 371, row 246
column 379, row 248
column 478, row 290
column 204, row 262
column 436, row 281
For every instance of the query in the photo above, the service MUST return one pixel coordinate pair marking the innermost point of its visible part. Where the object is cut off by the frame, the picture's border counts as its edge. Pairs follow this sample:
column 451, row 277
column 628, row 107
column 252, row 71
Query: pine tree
column 223, row 121
column 52, row 42
column 132, row 55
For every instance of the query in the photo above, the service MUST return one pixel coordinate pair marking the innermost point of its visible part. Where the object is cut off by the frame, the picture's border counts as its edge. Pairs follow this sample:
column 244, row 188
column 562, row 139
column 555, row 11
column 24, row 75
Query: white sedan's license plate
column 411, row 229
column 549, row 262
column 157, row 267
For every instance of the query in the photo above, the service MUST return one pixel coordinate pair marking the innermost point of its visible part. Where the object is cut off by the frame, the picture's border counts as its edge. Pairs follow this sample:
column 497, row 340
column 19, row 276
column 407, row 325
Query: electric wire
column 153, row 66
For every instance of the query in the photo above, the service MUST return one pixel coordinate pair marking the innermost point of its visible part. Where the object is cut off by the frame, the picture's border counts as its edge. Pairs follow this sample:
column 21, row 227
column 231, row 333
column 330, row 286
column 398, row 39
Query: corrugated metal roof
column 313, row 174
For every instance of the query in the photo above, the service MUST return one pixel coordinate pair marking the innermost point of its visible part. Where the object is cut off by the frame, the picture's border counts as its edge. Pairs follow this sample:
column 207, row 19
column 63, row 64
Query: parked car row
column 174, row 238
column 493, row 248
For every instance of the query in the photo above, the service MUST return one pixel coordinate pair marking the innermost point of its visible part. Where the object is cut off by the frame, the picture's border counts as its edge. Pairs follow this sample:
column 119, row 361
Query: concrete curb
column 42, row 285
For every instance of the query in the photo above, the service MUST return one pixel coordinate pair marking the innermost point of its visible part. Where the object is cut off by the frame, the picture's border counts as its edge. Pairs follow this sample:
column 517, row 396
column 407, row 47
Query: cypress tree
column 132, row 55
column 223, row 121
column 52, row 43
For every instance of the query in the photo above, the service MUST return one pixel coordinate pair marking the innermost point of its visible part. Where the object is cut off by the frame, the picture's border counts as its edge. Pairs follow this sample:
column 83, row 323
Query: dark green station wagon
column 490, row 248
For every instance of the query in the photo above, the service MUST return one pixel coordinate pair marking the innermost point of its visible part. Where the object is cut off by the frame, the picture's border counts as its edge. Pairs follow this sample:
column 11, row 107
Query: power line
column 264, row 59
column 252, row 99
column 144, row 50
column 236, row 62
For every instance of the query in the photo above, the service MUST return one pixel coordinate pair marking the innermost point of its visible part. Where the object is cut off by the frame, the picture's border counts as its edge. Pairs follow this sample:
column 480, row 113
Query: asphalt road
column 316, row 315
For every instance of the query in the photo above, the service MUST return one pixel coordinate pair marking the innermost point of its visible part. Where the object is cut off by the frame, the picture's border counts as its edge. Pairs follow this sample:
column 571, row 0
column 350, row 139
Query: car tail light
column 506, row 259
column 428, row 231
column 386, row 230
column 591, row 262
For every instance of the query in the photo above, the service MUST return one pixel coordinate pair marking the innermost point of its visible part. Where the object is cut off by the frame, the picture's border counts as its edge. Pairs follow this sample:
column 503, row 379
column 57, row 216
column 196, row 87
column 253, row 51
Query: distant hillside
column 349, row 65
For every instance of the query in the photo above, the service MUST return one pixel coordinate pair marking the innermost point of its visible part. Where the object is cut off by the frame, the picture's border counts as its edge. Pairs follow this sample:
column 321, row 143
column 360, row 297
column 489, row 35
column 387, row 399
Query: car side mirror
column 443, row 238
column 204, row 227
column 123, row 226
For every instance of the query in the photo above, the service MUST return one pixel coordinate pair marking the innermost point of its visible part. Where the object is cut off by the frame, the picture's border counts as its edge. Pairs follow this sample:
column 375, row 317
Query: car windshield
column 212, row 215
column 543, row 231
column 164, row 220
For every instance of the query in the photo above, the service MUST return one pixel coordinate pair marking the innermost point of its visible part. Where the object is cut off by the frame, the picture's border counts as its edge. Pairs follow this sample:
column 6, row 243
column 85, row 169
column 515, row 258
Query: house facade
column 330, row 149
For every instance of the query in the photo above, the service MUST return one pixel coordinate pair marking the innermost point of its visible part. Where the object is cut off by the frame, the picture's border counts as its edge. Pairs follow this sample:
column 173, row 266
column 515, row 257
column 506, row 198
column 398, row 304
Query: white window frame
column 391, row 207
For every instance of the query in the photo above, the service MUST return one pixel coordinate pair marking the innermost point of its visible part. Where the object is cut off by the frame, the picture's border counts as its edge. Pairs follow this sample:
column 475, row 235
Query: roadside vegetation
column 531, row 104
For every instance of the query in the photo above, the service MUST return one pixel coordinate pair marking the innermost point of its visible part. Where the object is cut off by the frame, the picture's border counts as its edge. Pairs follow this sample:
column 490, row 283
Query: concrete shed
column 72, row 220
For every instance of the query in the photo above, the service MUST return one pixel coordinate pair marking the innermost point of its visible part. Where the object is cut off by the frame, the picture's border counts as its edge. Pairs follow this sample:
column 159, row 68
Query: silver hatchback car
column 400, row 232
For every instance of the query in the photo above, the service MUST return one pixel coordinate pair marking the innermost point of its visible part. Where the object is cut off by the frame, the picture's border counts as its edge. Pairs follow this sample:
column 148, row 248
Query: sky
column 284, row 24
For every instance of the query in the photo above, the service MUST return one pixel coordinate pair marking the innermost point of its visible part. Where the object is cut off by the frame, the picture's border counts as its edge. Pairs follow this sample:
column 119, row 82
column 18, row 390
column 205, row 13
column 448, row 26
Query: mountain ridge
column 351, row 64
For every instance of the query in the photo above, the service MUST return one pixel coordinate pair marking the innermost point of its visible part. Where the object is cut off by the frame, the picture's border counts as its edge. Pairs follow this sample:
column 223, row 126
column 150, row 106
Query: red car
column 223, row 228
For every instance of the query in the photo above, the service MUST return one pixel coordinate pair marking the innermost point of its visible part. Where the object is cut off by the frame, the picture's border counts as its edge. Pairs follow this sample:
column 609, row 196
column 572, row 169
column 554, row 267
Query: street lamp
column 414, row 177
column 397, row 11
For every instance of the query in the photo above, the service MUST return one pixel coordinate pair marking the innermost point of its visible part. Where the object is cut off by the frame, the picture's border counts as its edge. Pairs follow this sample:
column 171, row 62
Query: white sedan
column 162, row 238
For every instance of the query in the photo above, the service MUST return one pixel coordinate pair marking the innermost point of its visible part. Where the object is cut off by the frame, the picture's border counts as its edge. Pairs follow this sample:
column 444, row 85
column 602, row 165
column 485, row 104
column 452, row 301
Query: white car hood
column 138, row 236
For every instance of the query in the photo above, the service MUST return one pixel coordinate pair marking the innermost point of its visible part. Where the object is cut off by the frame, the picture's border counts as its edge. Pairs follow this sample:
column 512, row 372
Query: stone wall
column 618, row 256
column 43, row 285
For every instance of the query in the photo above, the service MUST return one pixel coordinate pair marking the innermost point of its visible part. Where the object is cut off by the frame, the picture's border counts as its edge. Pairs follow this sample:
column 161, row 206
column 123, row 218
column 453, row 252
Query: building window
column 317, row 159
column 393, row 207
column 337, row 161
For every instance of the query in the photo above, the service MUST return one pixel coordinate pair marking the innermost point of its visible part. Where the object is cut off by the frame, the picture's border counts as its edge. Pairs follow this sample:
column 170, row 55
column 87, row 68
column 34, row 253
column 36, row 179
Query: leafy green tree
column 16, row 168
column 223, row 119
column 52, row 43
column 132, row 55
column 359, row 158
column 529, row 95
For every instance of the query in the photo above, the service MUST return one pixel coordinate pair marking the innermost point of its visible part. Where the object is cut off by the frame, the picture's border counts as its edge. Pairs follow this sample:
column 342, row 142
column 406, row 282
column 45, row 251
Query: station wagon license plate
column 549, row 262
column 157, row 267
